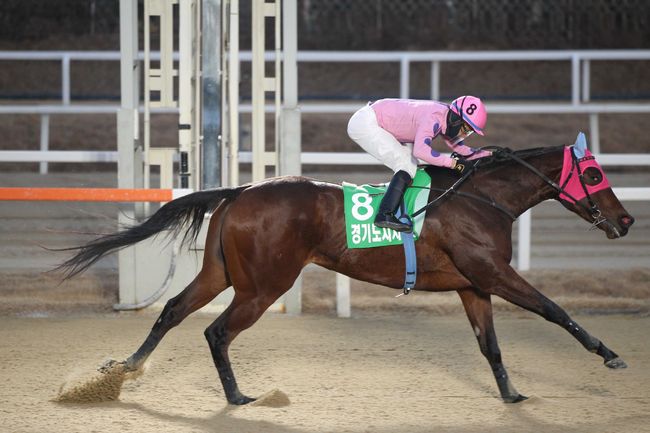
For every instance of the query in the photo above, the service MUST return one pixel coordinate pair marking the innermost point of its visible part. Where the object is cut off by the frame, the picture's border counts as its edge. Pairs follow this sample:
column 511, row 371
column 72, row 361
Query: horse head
column 586, row 191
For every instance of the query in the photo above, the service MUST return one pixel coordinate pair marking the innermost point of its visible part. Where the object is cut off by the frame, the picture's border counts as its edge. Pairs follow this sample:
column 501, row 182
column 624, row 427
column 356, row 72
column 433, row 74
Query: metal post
column 233, row 94
column 197, row 92
column 290, row 142
column 575, row 80
column 186, row 91
column 594, row 134
column 146, row 115
column 404, row 78
column 130, row 94
column 258, row 95
column 224, row 136
column 127, row 136
column 277, row 81
column 586, row 80
column 343, row 308
column 65, row 80
column 435, row 80
column 45, row 140
column 289, row 145
column 211, row 76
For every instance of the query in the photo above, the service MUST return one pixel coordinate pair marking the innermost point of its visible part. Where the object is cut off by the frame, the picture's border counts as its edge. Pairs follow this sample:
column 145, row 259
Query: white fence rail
column 580, row 78
column 580, row 62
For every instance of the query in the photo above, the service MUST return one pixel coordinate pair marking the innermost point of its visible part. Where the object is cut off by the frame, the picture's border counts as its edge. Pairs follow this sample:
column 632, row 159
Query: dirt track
column 373, row 373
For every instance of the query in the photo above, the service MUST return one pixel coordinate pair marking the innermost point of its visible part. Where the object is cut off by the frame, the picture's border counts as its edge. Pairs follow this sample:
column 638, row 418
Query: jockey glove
column 463, row 165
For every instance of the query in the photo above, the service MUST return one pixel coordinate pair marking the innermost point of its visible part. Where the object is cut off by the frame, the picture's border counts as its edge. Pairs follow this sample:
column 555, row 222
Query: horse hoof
column 241, row 400
column 616, row 363
column 109, row 365
column 515, row 398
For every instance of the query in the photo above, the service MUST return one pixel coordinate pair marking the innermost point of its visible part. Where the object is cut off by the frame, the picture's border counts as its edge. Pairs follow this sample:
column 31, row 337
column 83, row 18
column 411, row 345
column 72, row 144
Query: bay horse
column 261, row 235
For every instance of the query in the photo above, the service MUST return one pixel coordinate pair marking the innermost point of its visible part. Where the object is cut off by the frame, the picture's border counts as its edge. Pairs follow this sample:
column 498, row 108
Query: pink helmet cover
column 473, row 112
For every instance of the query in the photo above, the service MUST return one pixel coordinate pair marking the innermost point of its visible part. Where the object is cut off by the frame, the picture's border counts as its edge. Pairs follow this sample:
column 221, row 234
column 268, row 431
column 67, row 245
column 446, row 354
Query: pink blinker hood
column 570, row 171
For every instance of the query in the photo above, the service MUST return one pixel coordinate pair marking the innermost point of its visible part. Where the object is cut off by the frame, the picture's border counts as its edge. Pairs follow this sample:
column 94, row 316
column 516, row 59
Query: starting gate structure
column 201, row 82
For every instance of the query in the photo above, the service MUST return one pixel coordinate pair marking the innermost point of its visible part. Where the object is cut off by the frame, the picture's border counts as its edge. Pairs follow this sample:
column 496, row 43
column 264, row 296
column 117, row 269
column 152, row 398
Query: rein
column 454, row 190
column 506, row 153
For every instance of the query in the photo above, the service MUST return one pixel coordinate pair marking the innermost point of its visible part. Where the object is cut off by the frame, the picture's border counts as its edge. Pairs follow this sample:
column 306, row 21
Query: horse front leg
column 478, row 307
column 506, row 283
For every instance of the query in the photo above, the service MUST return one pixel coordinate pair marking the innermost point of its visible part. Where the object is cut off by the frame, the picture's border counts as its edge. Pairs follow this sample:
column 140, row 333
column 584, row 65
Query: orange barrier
column 90, row 194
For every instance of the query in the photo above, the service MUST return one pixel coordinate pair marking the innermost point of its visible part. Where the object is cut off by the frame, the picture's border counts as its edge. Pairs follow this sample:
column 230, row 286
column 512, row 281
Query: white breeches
column 366, row 132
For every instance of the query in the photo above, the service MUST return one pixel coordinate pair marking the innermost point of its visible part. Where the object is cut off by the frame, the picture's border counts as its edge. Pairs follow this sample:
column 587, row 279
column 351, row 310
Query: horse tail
column 173, row 216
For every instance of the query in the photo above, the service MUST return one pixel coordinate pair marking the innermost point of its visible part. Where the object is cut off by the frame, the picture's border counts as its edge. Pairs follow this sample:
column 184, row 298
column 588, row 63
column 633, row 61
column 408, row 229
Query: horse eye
column 593, row 176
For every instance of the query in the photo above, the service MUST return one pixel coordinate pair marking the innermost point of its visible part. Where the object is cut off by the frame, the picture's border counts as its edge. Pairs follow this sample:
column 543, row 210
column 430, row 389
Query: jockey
column 398, row 132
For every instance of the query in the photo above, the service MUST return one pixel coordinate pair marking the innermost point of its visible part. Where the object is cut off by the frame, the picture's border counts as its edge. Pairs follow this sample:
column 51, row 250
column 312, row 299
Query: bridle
column 504, row 153
column 593, row 208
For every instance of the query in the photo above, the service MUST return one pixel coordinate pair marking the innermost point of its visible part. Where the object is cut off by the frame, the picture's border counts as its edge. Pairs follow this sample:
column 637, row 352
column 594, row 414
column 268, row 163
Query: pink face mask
column 583, row 163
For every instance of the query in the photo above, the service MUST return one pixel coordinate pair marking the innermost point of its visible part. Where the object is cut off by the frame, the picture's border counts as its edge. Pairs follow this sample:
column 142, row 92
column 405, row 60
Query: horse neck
column 516, row 187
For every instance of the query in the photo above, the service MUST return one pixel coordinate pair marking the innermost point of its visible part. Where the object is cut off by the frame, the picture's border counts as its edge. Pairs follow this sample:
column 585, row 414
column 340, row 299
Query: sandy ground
column 371, row 373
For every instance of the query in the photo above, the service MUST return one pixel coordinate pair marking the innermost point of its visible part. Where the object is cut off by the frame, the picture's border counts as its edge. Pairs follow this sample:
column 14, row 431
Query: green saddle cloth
column 362, row 202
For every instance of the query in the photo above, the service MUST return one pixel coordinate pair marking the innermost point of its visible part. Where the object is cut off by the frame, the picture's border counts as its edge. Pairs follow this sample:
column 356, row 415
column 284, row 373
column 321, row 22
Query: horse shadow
column 222, row 420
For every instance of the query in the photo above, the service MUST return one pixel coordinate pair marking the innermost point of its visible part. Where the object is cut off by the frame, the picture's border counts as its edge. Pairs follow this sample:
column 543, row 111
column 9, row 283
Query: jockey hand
column 462, row 165
column 478, row 154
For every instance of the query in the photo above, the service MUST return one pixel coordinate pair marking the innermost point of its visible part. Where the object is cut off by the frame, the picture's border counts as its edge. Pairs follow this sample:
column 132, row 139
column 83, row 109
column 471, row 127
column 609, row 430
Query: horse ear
column 580, row 146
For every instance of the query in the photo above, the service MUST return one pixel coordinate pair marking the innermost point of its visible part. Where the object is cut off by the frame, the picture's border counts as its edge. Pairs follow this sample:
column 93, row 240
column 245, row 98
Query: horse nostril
column 626, row 221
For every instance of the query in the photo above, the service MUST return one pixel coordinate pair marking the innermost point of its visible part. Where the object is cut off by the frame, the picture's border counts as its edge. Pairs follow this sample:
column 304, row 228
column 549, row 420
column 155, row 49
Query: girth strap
column 410, row 257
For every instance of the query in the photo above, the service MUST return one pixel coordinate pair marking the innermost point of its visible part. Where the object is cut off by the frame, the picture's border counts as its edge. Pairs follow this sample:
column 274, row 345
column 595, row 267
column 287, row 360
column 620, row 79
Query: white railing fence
column 580, row 78
column 580, row 61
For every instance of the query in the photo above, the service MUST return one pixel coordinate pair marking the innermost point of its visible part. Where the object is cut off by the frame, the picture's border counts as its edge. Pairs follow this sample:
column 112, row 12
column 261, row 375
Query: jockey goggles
column 457, row 129
column 466, row 130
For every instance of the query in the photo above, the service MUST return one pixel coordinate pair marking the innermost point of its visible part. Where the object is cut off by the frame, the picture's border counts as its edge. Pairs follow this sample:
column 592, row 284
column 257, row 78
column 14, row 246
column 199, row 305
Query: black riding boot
column 386, row 214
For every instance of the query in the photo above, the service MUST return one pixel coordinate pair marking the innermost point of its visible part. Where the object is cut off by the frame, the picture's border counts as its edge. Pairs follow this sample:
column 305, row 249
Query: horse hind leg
column 211, row 280
column 205, row 287
column 260, row 270
column 248, row 305
column 479, row 312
